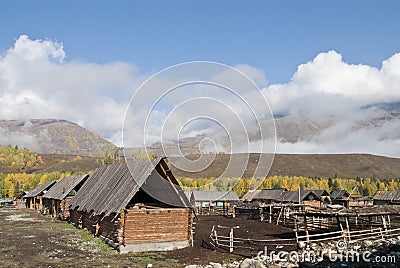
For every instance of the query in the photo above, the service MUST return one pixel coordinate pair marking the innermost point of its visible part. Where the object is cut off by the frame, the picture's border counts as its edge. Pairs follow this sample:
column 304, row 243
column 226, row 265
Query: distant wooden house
column 341, row 197
column 260, row 197
column 323, row 195
column 20, row 199
column 307, row 197
column 386, row 198
column 360, row 201
column 213, row 202
column 135, row 207
column 56, row 199
column 34, row 197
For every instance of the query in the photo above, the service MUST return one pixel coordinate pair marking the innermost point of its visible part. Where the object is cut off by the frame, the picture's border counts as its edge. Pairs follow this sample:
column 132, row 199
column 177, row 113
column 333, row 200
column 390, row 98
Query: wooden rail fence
column 232, row 243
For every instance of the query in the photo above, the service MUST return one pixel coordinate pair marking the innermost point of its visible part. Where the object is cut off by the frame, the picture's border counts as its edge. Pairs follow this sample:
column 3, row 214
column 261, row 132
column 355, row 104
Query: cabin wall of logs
column 139, row 226
column 36, row 203
column 155, row 225
column 56, row 208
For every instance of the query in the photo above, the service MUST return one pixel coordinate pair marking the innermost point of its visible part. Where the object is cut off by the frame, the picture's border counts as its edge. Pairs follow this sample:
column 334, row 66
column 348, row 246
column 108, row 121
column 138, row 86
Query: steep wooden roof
column 387, row 196
column 293, row 196
column 40, row 189
column 110, row 188
column 209, row 196
column 62, row 188
column 265, row 194
column 339, row 194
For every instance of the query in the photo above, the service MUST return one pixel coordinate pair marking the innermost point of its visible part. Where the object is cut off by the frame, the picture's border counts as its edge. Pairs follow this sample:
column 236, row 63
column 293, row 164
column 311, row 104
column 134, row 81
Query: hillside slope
column 53, row 136
column 310, row 165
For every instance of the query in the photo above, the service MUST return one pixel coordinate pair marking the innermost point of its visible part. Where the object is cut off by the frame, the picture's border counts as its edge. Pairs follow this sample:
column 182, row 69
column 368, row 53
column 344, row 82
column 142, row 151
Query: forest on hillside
column 14, row 183
column 18, row 159
column 11, row 184
column 357, row 187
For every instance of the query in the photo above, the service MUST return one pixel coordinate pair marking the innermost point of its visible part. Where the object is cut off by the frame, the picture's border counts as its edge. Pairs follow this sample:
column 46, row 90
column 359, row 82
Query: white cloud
column 23, row 140
column 36, row 82
column 327, row 83
column 342, row 98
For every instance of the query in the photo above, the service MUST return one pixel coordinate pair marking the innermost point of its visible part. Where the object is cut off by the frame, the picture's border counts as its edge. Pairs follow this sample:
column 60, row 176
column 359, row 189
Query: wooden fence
column 233, row 244
column 350, row 237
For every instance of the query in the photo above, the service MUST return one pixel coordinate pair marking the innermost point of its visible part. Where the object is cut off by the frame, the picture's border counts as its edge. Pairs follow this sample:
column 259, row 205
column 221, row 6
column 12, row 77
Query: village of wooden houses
column 139, row 206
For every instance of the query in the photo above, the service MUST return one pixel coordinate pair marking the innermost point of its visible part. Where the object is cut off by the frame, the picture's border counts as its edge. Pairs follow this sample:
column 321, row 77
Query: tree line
column 14, row 183
column 18, row 159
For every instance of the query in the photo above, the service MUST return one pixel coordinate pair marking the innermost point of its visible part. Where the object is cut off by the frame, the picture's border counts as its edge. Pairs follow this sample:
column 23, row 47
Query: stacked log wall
column 47, row 206
column 157, row 225
column 109, row 227
column 135, row 226
column 64, row 208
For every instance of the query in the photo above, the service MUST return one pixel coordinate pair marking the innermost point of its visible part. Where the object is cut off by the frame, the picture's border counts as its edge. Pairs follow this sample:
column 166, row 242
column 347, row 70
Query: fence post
column 231, row 240
column 343, row 232
column 384, row 222
column 348, row 228
column 261, row 214
column 380, row 230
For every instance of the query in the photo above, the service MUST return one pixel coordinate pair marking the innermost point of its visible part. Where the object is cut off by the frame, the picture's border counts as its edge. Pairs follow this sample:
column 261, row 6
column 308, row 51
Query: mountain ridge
column 53, row 136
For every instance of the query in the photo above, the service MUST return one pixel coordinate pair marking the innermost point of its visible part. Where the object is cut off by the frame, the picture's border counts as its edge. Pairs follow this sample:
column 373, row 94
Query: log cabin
column 213, row 202
column 20, row 200
column 307, row 197
column 386, row 198
column 34, row 197
column 134, row 206
column 261, row 197
column 56, row 199
column 341, row 197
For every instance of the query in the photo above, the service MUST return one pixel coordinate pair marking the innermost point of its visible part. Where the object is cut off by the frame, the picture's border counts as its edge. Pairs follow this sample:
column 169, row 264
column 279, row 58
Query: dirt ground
column 201, row 253
column 29, row 239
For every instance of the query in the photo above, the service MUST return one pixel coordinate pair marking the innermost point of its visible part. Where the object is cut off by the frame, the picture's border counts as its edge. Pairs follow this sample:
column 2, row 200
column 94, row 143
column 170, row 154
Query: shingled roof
column 293, row 196
column 39, row 189
column 266, row 194
column 62, row 188
column 110, row 188
column 320, row 193
column 387, row 196
column 339, row 194
column 210, row 196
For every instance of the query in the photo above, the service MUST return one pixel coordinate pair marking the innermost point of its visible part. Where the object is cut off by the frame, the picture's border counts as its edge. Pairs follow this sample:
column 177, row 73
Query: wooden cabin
column 386, row 198
column 307, row 197
column 56, row 199
column 361, row 201
column 33, row 199
column 134, row 206
column 20, row 200
column 262, row 197
column 341, row 197
column 323, row 195
column 209, row 202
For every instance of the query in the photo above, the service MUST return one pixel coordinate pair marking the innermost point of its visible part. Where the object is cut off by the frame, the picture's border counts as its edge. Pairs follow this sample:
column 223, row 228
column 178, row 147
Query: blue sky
column 275, row 36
